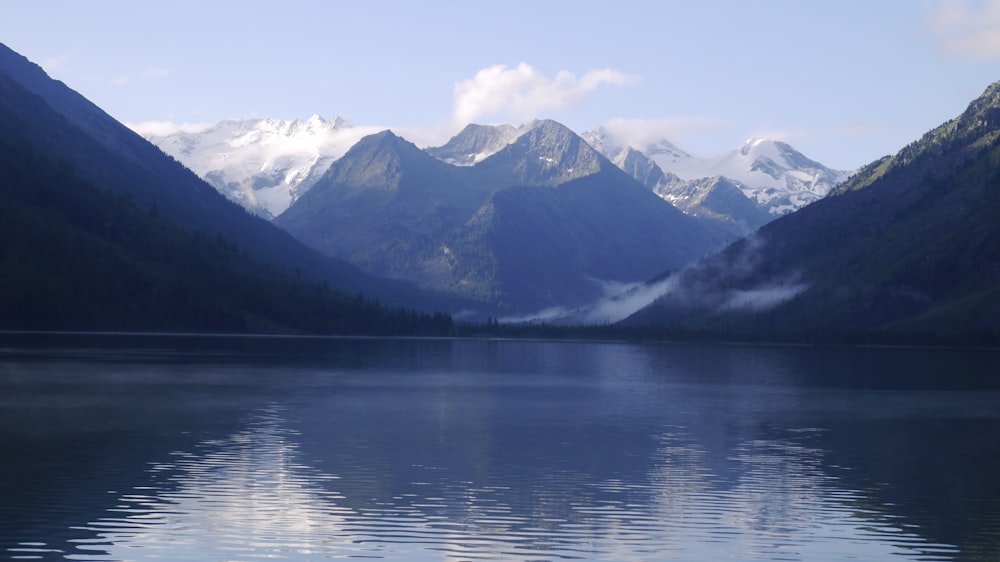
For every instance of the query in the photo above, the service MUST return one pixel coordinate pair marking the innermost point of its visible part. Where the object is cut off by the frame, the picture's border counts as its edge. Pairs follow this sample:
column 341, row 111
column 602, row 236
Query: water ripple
column 253, row 495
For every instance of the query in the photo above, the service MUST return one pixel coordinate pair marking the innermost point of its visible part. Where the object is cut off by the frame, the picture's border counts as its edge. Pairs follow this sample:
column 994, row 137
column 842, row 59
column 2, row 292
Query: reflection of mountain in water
column 242, row 496
column 539, row 451
column 250, row 495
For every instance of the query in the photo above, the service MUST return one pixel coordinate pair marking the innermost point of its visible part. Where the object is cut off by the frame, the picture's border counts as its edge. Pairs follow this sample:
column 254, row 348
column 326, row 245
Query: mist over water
column 485, row 450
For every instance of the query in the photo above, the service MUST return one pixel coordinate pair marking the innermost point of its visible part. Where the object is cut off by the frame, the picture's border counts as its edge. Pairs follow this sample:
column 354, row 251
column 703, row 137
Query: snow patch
column 262, row 164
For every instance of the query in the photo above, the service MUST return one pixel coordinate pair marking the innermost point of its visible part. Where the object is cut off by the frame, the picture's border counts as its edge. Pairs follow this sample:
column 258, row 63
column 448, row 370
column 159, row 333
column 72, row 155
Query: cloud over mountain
column 163, row 128
column 522, row 93
column 641, row 134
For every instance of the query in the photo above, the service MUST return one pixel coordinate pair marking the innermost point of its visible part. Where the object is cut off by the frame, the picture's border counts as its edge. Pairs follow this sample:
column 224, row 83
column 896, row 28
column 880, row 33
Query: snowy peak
column 774, row 158
column 608, row 144
column 603, row 142
column 475, row 143
column 666, row 150
column 716, row 198
column 263, row 164
column 771, row 173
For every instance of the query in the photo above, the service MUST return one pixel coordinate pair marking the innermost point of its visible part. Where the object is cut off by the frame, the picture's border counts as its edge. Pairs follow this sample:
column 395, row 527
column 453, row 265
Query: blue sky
column 845, row 82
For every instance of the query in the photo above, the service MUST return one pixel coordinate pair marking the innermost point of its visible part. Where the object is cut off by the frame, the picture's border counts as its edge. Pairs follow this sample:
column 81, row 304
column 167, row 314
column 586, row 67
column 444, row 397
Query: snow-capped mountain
column 476, row 143
column 771, row 173
column 662, row 151
column 263, row 164
column 714, row 198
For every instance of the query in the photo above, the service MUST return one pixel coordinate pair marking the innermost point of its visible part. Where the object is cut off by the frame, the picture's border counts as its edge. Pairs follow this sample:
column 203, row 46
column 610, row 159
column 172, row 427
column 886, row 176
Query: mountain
column 608, row 144
column 475, row 143
column 717, row 198
column 384, row 206
column 103, row 230
column 544, row 221
column 771, row 173
column 546, row 154
column 640, row 167
column 262, row 164
column 908, row 249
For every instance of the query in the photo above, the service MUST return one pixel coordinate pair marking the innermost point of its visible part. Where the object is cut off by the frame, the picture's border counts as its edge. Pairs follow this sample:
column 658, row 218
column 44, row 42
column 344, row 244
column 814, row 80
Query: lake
column 244, row 448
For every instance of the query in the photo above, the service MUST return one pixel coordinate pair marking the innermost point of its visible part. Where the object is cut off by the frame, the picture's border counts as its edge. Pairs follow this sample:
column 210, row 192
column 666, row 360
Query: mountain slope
column 382, row 206
column 908, row 248
column 541, row 222
column 567, row 245
column 262, row 164
column 640, row 167
column 74, row 257
column 43, row 116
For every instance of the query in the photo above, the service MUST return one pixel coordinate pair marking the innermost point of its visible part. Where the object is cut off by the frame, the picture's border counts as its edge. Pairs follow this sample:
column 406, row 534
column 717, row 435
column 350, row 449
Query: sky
column 845, row 81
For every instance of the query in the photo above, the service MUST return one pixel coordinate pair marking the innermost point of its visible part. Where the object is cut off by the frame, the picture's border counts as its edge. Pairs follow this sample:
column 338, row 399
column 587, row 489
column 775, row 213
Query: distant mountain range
column 907, row 250
column 771, row 174
column 266, row 164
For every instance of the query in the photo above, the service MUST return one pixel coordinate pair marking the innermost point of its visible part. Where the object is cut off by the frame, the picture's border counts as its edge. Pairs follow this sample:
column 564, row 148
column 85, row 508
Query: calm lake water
column 187, row 448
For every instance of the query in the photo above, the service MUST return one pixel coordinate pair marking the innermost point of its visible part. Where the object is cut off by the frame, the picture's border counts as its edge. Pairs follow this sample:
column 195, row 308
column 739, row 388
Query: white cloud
column 969, row 28
column 762, row 298
column 641, row 133
column 152, row 73
column 161, row 128
column 522, row 93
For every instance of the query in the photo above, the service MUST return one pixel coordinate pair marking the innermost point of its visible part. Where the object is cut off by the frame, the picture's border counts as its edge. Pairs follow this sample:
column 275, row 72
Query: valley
column 529, row 223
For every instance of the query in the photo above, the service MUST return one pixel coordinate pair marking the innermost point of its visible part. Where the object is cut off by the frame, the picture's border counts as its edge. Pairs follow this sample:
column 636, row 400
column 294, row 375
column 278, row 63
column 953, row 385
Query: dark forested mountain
column 908, row 248
column 102, row 230
column 544, row 221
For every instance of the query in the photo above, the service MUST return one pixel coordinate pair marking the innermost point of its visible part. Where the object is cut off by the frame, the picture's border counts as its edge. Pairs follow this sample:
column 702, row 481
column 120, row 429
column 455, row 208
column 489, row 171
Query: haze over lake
column 232, row 448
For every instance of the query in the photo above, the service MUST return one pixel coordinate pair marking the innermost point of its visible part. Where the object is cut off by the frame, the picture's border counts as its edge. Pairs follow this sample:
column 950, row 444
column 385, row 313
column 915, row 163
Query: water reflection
column 253, row 495
column 234, row 498
column 439, row 450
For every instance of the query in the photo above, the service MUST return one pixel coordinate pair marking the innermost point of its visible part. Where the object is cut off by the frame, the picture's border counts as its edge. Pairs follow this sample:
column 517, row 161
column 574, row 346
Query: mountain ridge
column 268, row 172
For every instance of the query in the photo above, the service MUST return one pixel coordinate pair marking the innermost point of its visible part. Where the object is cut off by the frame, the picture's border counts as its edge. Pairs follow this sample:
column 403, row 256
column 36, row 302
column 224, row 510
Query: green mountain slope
column 907, row 250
